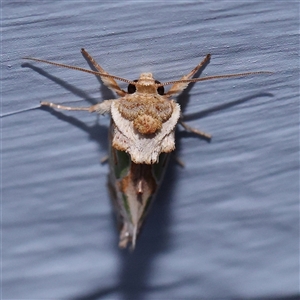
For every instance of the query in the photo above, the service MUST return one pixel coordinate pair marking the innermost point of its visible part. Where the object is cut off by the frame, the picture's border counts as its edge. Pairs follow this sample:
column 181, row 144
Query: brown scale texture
column 147, row 112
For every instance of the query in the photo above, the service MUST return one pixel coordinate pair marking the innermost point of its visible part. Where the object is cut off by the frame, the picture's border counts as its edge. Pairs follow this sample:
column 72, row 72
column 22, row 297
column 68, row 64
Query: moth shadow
column 69, row 87
column 96, row 132
column 105, row 92
column 223, row 106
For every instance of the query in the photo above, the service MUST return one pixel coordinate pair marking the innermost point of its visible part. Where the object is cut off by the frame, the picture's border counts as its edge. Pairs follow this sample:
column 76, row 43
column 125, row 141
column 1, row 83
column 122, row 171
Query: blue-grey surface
column 224, row 227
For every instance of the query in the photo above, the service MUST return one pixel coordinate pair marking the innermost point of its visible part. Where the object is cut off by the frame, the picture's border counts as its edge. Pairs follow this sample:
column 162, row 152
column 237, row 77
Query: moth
column 141, row 137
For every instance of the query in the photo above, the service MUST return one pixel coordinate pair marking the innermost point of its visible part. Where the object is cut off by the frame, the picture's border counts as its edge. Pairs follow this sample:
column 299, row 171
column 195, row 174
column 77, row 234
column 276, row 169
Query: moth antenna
column 214, row 77
column 19, row 111
column 79, row 69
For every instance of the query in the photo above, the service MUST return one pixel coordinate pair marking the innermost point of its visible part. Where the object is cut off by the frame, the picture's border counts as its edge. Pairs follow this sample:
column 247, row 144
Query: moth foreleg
column 100, row 108
column 180, row 86
column 199, row 66
column 195, row 130
column 109, row 82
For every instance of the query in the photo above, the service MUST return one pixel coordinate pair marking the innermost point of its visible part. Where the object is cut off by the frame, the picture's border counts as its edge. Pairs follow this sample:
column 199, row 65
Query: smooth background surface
column 224, row 227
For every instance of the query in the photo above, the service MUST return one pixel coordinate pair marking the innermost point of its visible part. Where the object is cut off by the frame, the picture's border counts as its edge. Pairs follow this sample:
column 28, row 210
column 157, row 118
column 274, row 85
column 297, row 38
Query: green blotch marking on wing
column 126, row 206
column 122, row 165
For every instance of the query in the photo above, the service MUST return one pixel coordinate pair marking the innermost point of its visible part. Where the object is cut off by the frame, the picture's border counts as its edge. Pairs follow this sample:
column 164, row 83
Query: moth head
column 145, row 84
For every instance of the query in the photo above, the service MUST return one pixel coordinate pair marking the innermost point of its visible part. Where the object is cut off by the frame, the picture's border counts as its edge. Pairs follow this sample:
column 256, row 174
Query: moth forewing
column 133, row 188
column 143, row 122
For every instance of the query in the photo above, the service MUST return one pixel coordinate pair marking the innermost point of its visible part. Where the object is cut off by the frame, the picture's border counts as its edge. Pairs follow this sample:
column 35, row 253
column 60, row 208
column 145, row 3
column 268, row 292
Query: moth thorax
column 146, row 88
column 146, row 124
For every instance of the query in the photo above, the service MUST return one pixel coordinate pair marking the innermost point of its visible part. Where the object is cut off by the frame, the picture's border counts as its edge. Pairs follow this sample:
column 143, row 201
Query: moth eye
column 160, row 89
column 131, row 88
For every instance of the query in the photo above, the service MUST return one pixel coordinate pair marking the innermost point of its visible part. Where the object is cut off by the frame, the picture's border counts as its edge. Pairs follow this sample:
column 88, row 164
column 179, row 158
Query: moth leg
column 194, row 130
column 100, row 108
column 180, row 86
column 104, row 159
column 109, row 82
